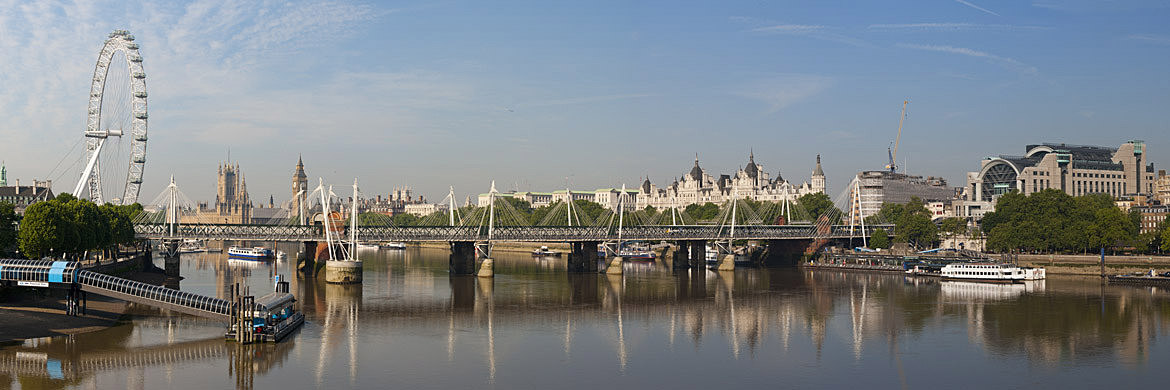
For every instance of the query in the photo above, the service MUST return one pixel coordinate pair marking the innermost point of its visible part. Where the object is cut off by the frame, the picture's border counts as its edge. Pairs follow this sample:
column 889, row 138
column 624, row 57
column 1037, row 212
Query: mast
column 353, row 217
column 451, row 207
column 621, row 214
column 734, row 198
column 325, row 210
column 491, row 211
column 569, row 204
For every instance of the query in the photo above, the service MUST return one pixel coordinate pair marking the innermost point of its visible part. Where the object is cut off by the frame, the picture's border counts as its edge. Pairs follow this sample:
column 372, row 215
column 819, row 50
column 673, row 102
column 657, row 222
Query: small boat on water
column 192, row 246
column 367, row 247
column 991, row 272
column 253, row 253
column 1150, row 278
column 545, row 251
column 393, row 245
column 637, row 255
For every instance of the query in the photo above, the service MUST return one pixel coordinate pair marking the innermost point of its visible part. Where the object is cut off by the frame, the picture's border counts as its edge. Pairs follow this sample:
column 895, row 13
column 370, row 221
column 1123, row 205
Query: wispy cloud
column 1011, row 63
column 814, row 31
column 969, row 4
column 587, row 100
column 1158, row 39
column 781, row 91
column 790, row 28
column 952, row 27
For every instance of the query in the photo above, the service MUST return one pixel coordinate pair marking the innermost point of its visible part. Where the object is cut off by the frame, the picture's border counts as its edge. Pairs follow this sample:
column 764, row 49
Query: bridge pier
column 698, row 254
column 583, row 257
column 462, row 260
column 170, row 254
column 307, row 259
column 786, row 252
column 680, row 259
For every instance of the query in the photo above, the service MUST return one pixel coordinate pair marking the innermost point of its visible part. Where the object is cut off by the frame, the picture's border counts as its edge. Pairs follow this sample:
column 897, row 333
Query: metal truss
column 504, row 233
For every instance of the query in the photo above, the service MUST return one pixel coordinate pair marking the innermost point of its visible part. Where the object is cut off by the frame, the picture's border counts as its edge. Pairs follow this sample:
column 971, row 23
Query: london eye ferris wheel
column 116, row 124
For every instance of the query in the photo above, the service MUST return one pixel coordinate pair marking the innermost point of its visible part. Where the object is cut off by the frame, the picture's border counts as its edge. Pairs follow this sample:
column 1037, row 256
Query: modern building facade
column 872, row 189
column 1075, row 169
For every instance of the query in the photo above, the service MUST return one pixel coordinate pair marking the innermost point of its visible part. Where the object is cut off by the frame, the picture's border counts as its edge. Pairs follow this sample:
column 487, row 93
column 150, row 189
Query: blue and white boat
column 253, row 253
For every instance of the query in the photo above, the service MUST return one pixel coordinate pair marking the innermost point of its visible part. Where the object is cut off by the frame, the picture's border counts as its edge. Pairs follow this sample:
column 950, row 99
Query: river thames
column 410, row 325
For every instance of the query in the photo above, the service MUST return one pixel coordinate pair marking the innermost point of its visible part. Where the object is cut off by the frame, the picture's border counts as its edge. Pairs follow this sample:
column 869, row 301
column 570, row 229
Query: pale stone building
column 750, row 182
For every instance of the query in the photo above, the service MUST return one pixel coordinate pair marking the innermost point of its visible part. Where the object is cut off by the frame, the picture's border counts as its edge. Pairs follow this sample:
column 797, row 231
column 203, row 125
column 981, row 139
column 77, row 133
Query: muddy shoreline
column 30, row 314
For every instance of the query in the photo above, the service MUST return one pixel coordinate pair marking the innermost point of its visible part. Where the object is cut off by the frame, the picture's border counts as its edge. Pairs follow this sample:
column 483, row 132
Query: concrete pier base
column 462, row 260
column 726, row 262
column 343, row 272
column 680, row 258
column 583, row 257
column 615, row 266
column 486, row 269
column 171, row 266
column 698, row 253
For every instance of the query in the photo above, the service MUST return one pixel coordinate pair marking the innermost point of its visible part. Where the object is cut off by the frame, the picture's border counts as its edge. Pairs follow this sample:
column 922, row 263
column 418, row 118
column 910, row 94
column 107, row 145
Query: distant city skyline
column 439, row 94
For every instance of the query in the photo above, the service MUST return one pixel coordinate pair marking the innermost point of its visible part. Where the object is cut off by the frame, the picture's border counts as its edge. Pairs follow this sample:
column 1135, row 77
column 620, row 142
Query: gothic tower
column 818, row 177
column 300, row 182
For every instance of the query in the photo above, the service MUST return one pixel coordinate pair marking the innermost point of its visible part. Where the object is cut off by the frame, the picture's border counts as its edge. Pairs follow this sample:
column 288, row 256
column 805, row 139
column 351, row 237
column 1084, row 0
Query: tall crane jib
column 892, row 166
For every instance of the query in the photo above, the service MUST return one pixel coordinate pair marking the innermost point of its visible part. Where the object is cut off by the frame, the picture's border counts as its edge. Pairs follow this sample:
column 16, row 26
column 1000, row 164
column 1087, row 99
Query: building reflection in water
column 795, row 313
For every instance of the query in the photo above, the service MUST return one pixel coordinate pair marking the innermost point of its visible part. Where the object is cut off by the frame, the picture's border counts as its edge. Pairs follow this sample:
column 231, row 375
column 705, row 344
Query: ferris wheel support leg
column 88, row 168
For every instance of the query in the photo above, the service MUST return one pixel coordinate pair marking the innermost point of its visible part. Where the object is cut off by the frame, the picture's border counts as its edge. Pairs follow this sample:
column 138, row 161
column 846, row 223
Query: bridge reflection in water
column 413, row 325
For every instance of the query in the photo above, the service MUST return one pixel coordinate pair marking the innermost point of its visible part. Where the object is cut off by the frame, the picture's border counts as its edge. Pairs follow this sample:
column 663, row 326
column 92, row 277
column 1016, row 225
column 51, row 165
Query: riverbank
column 1091, row 265
column 31, row 314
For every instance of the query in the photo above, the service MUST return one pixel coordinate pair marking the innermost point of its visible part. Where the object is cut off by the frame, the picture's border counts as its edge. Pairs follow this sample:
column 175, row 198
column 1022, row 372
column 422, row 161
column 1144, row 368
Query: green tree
column 704, row 212
column 1165, row 240
column 44, row 229
column 591, row 210
column 818, row 204
column 880, row 239
column 953, row 226
column 8, row 222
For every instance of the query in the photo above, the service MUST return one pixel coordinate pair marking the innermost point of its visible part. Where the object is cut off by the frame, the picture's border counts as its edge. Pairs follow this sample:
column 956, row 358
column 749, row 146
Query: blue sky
column 433, row 94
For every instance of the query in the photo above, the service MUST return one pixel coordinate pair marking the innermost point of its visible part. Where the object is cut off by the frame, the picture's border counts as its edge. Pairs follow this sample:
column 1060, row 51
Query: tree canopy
column 8, row 222
column 70, row 226
column 1051, row 220
column 912, row 223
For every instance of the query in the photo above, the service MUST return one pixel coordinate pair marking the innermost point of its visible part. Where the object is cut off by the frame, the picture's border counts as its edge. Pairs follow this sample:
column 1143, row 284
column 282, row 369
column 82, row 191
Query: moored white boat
column 545, row 251
column 393, row 245
column 253, row 253
column 192, row 246
column 991, row 272
column 370, row 247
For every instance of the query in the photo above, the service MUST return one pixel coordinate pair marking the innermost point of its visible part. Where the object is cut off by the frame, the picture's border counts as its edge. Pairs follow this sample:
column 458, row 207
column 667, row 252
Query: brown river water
column 411, row 325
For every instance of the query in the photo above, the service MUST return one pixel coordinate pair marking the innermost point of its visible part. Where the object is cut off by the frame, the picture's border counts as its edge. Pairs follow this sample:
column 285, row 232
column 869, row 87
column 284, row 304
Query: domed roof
column 751, row 169
column 696, row 172
column 818, row 171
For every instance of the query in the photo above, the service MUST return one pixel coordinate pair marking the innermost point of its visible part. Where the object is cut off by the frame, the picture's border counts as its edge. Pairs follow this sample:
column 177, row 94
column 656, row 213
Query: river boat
column 192, row 246
column 545, row 251
column 990, row 272
column 393, row 245
column 637, row 255
column 367, row 247
column 1142, row 279
column 253, row 253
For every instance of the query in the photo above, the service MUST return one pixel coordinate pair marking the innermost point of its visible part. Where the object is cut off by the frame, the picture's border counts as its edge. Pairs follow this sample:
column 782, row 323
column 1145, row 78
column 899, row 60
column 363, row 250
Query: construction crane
column 894, row 153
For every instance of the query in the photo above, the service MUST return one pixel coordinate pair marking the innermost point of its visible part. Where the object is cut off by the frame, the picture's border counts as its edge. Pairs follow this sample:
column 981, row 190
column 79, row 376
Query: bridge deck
column 505, row 233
